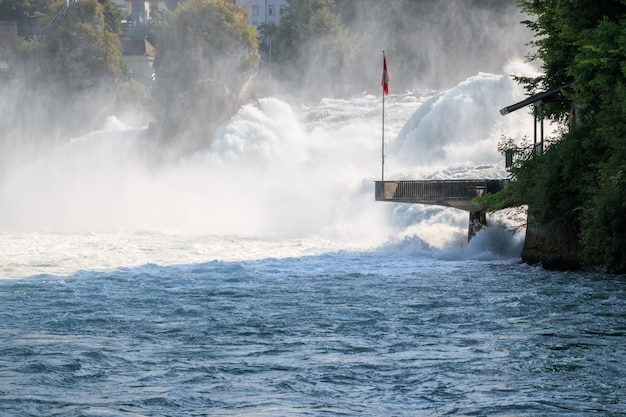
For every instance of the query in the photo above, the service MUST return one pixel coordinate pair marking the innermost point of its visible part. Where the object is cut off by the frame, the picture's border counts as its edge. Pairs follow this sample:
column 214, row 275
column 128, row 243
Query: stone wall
column 552, row 251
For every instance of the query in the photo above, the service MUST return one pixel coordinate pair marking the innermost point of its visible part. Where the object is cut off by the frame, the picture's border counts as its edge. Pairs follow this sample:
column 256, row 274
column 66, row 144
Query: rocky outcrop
column 555, row 252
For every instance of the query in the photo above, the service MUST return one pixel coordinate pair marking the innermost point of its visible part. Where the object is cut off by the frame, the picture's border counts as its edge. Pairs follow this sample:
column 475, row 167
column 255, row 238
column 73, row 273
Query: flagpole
column 382, row 174
column 385, row 85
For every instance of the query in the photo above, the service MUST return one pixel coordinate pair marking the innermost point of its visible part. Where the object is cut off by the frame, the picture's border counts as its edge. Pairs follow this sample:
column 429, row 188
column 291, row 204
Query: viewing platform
column 458, row 194
column 448, row 193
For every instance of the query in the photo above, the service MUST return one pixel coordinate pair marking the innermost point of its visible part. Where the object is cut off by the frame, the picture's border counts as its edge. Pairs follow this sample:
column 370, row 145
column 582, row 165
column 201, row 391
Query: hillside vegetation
column 576, row 190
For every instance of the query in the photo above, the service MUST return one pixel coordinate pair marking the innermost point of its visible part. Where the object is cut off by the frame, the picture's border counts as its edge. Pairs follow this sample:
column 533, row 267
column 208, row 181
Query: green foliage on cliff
column 67, row 81
column 207, row 53
column 82, row 54
column 113, row 16
column 31, row 16
column 311, row 47
column 577, row 190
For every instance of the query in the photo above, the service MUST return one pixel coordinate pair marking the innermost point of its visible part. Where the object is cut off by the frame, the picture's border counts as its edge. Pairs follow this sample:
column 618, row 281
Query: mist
column 437, row 44
column 293, row 163
column 265, row 175
column 430, row 44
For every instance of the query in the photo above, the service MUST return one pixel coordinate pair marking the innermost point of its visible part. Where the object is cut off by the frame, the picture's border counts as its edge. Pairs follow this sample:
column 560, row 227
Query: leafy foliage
column 81, row 55
column 577, row 189
column 311, row 47
column 12, row 10
column 68, row 82
column 156, row 25
column 113, row 16
column 207, row 54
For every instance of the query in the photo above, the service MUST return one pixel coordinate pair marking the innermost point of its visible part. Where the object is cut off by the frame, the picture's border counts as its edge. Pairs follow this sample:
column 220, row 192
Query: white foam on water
column 298, row 175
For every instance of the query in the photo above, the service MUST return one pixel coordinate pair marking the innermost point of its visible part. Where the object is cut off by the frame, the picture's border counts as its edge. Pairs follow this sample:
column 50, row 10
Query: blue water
column 346, row 333
column 187, row 290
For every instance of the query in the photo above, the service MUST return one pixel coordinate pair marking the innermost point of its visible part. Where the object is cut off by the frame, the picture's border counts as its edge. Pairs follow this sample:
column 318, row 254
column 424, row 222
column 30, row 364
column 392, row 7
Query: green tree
column 11, row 10
column 82, row 54
column 562, row 28
column 311, row 47
column 68, row 82
column 600, row 75
column 207, row 55
column 156, row 25
column 575, row 191
column 25, row 13
column 79, row 67
column 113, row 16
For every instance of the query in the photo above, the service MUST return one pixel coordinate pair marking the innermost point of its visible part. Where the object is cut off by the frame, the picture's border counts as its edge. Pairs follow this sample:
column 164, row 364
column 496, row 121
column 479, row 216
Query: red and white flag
column 385, row 82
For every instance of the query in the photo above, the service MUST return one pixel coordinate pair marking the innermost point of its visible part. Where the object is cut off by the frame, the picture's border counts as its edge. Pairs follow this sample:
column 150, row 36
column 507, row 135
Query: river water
column 355, row 333
column 259, row 277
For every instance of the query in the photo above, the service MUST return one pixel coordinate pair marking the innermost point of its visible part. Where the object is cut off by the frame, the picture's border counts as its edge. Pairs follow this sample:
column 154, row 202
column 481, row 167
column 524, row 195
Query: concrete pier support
column 477, row 220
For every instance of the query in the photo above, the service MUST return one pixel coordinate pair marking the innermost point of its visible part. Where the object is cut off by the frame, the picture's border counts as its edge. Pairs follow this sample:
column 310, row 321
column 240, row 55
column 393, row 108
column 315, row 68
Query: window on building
column 255, row 10
column 283, row 9
column 270, row 10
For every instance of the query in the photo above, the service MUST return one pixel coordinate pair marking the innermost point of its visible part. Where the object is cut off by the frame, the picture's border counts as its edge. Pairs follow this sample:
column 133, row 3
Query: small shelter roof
column 553, row 95
column 135, row 47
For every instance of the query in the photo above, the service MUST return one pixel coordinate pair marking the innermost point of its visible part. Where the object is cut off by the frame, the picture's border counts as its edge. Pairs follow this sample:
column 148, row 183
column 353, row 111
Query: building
column 264, row 11
column 139, row 58
column 127, row 5
column 122, row 5
column 137, row 13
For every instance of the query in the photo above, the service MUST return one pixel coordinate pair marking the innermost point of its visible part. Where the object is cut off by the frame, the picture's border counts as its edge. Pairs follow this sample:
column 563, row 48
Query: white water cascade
column 279, row 180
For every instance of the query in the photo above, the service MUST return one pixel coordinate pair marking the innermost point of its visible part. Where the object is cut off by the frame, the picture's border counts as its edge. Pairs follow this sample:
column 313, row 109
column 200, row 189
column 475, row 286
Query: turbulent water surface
column 335, row 334
column 260, row 277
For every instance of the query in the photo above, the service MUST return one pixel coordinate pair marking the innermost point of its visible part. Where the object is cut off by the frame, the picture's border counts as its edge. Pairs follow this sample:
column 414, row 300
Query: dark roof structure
column 138, row 47
column 553, row 95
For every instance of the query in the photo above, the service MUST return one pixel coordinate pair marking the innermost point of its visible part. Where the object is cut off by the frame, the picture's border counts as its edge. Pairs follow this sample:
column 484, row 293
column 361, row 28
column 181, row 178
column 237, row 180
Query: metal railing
column 407, row 191
column 56, row 20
